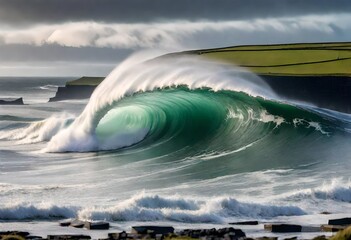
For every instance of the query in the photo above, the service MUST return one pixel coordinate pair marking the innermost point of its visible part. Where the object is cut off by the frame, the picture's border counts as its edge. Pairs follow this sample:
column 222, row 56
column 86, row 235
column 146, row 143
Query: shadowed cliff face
column 331, row 92
column 73, row 92
column 11, row 101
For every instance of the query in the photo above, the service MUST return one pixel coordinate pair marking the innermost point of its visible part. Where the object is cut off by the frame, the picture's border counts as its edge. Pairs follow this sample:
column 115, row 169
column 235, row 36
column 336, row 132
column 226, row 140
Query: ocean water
column 181, row 141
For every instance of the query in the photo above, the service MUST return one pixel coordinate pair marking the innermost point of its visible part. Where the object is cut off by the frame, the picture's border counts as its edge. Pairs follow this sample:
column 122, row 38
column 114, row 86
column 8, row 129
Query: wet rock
column 245, row 223
column 291, row 238
column 118, row 236
column 310, row 229
column 68, row 237
column 332, row 228
column 33, row 238
column 152, row 230
column 17, row 233
column 238, row 233
column 266, row 238
column 77, row 223
column 97, row 225
column 222, row 233
column 340, row 221
column 321, row 237
column 283, row 228
column 65, row 223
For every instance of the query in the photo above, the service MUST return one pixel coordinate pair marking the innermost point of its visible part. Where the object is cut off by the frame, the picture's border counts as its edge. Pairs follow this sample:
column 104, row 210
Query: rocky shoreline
column 341, row 226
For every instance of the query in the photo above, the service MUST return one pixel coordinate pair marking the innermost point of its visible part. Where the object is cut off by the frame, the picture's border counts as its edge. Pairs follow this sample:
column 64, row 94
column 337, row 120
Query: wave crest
column 133, row 76
column 27, row 211
column 142, row 207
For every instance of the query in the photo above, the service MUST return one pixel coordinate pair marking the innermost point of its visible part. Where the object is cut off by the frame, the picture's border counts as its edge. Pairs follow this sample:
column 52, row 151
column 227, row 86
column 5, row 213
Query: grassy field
column 302, row 59
column 287, row 59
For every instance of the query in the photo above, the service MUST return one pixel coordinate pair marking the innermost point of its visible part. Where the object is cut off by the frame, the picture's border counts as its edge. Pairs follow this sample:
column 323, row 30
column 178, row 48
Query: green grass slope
column 300, row 59
column 287, row 59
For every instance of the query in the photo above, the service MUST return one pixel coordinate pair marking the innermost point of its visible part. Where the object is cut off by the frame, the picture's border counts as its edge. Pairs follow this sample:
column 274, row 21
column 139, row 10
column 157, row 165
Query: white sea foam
column 22, row 211
column 267, row 117
column 309, row 124
column 335, row 190
column 142, row 207
column 39, row 131
column 49, row 87
column 262, row 116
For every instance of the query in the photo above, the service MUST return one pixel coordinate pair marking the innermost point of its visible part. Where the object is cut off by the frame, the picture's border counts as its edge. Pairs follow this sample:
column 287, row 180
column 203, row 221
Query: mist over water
column 174, row 139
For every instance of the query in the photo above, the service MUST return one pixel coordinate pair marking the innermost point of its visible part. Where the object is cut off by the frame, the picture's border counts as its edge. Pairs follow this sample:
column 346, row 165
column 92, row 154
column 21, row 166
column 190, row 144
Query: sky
column 90, row 37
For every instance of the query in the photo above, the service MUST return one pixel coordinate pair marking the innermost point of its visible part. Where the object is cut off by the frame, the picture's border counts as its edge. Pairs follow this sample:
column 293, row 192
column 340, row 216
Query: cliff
column 77, row 89
column 11, row 101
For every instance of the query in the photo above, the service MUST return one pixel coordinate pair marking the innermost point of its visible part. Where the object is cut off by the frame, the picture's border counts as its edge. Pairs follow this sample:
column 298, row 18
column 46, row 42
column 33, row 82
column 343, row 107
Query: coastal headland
column 317, row 73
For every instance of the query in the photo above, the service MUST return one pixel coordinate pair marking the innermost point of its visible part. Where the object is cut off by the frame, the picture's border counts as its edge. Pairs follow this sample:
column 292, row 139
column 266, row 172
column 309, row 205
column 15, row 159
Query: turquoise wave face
column 180, row 123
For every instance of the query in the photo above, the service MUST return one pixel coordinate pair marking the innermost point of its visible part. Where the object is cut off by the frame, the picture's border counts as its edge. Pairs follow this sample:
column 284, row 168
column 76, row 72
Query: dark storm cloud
column 43, row 11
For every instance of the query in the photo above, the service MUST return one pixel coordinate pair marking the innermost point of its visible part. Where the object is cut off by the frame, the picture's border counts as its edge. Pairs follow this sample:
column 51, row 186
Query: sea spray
column 39, row 131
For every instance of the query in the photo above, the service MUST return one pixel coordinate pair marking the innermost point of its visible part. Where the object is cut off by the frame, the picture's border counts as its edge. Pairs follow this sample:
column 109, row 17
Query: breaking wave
column 175, row 103
column 335, row 190
column 143, row 207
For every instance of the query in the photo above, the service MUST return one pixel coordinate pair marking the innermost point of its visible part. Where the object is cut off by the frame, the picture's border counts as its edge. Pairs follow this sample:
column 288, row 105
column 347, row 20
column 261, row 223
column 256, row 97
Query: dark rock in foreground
column 86, row 224
column 11, row 101
column 244, row 223
column 227, row 233
column 77, row 223
column 17, row 233
column 340, row 221
column 154, row 230
column 68, row 237
column 97, row 225
column 332, row 228
column 116, row 236
column 283, row 228
column 65, row 223
column 266, row 238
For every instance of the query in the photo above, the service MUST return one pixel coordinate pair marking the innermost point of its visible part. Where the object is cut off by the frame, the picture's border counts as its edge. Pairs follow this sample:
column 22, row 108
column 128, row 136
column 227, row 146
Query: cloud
column 24, row 12
column 181, row 34
column 55, row 53
column 62, row 46
column 25, row 69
